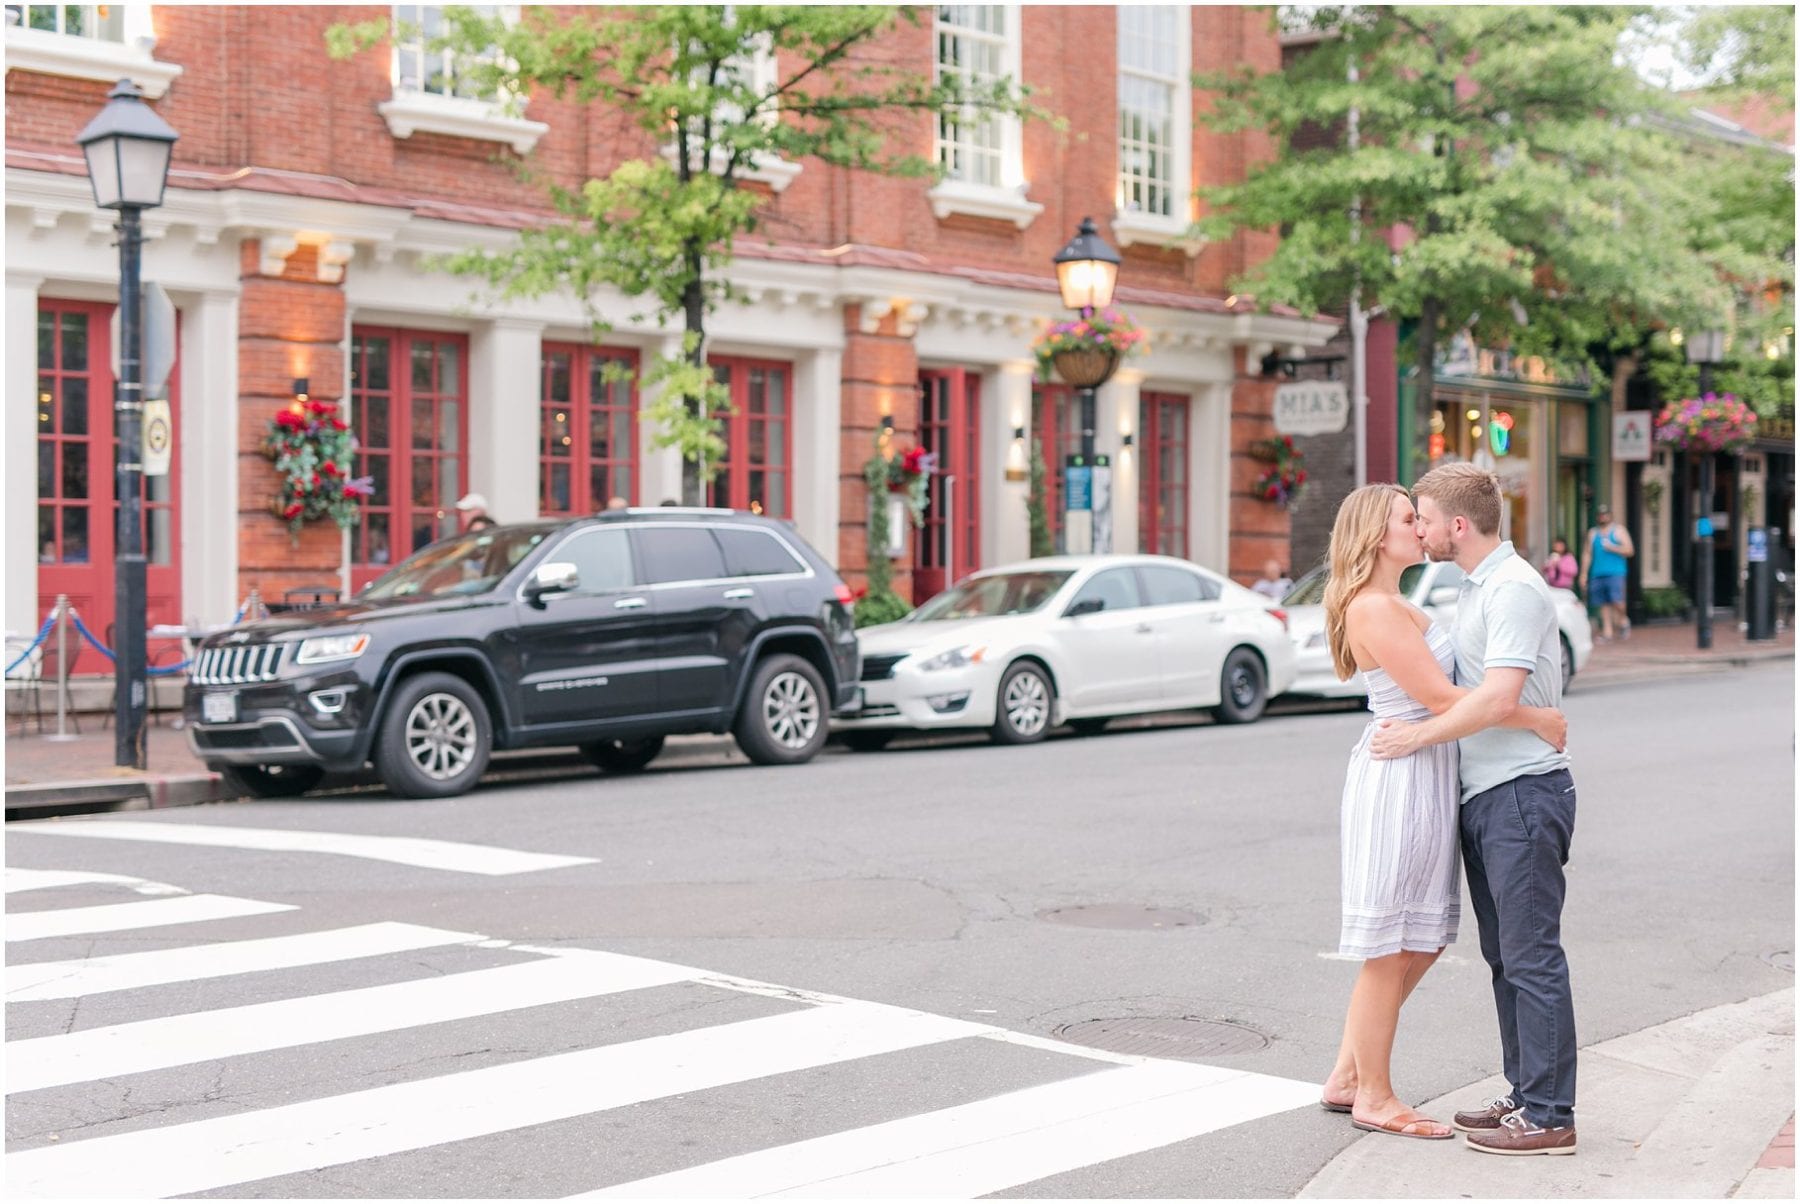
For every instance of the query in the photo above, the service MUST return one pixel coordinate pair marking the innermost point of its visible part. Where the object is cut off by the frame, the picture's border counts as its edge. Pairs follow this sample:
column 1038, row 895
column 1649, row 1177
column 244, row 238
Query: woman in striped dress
column 1401, row 877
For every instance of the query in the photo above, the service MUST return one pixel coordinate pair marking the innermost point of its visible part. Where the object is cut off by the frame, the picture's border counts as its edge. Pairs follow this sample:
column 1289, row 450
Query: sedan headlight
column 956, row 658
column 321, row 649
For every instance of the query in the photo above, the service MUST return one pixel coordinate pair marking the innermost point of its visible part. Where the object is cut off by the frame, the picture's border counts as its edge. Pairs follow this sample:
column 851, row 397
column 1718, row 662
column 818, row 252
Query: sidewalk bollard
column 1759, row 607
column 62, row 669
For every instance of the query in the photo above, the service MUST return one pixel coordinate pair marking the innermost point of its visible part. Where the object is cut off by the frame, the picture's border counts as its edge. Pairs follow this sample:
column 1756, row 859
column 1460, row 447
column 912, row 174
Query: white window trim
column 1132, row 227
column 1006, row 201
column 410, row 111
column 75, row 56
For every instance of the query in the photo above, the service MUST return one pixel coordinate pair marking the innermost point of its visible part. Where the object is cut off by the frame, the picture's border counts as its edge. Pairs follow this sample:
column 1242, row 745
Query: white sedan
column 1070, row 639
column 1432, row 587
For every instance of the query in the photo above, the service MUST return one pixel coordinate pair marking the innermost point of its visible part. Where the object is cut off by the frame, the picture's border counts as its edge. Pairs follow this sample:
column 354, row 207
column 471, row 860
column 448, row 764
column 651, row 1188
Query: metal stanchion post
column 62, row 669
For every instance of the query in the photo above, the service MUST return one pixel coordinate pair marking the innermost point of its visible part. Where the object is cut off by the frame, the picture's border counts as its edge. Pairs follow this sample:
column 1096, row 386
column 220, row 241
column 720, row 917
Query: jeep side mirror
column 1086, row 606
column 557, row 577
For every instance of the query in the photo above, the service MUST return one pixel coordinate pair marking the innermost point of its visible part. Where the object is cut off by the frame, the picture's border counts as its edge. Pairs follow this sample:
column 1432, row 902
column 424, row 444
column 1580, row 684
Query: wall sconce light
column 887, row 424
column 1127, row 440
column 1018, row 466
column 300, row 388
column 1019, row 433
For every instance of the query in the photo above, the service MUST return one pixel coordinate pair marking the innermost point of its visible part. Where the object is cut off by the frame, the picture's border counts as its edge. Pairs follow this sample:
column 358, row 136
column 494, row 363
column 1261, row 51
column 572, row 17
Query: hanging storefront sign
column 1311, row 407
column 1631, row 438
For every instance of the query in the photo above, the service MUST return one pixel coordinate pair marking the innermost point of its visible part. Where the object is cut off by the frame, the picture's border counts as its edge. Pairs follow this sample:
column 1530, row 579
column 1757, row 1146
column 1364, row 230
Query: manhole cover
column 1161, row 1037
column 1781, row 959
column 1120, row 915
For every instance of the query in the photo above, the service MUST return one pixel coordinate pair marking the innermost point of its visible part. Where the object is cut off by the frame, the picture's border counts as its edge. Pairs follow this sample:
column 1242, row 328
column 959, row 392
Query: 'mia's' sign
column 1311, row 407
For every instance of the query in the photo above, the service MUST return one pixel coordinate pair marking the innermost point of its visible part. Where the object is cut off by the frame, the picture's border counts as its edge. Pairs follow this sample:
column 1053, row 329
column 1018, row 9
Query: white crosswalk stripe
column 402, row 850
column 22, row 880
column 130, row 971
column 1106, row 1106
column 120, row 917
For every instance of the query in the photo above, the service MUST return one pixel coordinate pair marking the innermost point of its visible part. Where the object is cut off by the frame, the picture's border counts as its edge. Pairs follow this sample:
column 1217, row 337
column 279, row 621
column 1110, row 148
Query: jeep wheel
column 435, row 737
column 867, row 741
column 1243, row 692
column 1022, row 713
column 623, row 756
column 782, row 721
column 269, row 781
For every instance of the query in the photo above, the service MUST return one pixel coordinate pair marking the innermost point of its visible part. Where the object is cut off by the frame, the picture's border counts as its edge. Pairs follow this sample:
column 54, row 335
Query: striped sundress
column 1402, row 879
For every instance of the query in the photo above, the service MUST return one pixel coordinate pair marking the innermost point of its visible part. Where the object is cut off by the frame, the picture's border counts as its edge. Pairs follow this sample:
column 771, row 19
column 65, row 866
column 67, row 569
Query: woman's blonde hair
column 1356, row 538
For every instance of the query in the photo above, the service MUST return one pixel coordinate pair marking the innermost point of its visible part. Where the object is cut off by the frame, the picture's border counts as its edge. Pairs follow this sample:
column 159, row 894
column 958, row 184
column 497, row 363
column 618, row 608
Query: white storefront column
column 1209, row 478
column 818, row 450
column 505, row 374
column 21, row 438
column 1116, row 417
column 1005, row 520
column 209, row 459
column 659, row 468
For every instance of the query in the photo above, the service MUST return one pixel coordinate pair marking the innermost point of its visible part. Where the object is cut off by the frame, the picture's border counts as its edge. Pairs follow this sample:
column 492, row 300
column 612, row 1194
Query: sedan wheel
column 1024, row 705
column 1243, row 689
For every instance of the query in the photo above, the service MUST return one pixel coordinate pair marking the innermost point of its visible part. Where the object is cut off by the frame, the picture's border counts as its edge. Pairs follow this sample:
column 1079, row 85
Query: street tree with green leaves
column 1513, row 176
column 718, row 90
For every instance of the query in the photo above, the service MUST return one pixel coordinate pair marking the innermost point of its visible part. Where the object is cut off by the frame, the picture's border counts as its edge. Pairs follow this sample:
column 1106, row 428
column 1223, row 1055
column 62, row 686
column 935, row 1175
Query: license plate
column 219, row 708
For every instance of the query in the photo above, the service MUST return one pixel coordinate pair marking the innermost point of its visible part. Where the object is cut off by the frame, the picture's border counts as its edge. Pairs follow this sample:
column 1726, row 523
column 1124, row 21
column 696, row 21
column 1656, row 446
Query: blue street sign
column 1078, row 487
column 1756, row 548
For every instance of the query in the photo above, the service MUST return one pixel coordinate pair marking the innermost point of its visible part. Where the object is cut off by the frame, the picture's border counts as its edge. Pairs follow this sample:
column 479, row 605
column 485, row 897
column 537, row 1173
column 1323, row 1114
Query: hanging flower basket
column 907, row 473
column 1085, row 351
column 1713, row 423
column 1285, row 479
column 312, row 448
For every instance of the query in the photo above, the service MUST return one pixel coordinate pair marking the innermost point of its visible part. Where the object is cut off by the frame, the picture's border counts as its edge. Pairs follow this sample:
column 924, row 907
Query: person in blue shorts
column 1603, row 556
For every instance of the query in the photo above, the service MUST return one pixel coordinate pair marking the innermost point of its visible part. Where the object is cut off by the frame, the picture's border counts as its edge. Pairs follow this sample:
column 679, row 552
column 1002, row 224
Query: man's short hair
column 1467, row 490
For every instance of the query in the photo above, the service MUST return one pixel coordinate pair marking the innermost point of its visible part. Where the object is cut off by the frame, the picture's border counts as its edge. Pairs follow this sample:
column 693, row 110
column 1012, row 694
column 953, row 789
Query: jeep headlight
column 955, row 658
column 320, row 649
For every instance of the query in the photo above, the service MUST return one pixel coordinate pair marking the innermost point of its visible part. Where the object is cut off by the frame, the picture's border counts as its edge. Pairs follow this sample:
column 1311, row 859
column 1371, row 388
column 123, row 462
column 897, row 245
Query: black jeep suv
column 608, row 632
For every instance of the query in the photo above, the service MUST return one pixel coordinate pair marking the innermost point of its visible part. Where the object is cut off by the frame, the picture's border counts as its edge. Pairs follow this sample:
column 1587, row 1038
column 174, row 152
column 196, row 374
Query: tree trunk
column 693, row 303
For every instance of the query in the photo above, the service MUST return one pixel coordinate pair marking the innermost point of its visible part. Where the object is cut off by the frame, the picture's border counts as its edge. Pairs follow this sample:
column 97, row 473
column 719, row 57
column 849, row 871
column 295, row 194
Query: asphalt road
column 918, row 878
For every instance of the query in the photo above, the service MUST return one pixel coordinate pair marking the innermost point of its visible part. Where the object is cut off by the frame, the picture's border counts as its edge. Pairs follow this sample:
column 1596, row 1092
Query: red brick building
column 308, row 195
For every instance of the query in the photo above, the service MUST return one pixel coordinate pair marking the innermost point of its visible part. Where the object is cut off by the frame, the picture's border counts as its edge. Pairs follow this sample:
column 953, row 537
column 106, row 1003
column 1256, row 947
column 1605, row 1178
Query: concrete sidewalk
column 1670, row 650
column 1693, row 1108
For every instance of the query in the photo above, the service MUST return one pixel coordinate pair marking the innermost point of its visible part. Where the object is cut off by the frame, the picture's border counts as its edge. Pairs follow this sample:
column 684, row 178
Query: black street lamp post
column 1705, row 349
column 128, row 149
column 1086, row 270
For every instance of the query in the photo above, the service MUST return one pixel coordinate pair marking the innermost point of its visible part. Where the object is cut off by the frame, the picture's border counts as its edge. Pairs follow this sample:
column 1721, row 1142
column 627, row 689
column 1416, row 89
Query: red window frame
column 950, row 425
column 757, row 471
column 1165, row 421
column 89, row 583
column 1056, row 410
column 578, row 474
column 389, row 424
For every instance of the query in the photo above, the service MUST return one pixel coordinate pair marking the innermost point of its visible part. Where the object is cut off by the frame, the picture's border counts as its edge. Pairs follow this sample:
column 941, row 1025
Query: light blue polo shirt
column 1505, row 619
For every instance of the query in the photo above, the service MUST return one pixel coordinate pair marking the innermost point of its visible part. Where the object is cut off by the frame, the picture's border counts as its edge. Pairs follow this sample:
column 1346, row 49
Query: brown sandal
column 1403, row 1128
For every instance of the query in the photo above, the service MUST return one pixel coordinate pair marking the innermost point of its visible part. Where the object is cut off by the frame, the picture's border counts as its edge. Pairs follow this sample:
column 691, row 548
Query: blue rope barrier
column 42, row 635
column 103, row 650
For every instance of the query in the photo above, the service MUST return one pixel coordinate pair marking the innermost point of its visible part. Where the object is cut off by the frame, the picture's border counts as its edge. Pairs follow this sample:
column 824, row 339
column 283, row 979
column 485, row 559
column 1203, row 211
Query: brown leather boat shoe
column 1483, row 1118
column 1518, row 1136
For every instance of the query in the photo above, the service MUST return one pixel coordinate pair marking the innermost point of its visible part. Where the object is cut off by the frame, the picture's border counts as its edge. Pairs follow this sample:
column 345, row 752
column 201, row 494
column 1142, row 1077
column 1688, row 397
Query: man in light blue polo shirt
column 1518, row 811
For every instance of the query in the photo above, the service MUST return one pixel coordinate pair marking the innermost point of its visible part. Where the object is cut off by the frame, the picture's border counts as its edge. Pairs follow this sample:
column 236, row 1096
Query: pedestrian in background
column 474, row 510
column 1400, row 879
column 1518, row 806
column 1603, row 555
column 1274, row 583
column 1560, row 570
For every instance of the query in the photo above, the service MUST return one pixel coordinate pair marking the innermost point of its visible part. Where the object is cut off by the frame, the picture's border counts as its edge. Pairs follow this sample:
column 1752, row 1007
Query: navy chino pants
column 1515, row 842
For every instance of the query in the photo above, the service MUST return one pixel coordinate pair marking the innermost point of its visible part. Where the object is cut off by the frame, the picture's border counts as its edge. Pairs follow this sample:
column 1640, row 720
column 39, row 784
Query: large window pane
column 74, row 342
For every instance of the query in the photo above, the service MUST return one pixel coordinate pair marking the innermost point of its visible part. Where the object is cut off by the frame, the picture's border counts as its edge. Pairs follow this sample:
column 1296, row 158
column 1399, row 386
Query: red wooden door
column 756, row 473
column 948, row 546
column 1058, row 419
column 1163, row 475
column 409, row 408
column 77, row 449
column 587, row 429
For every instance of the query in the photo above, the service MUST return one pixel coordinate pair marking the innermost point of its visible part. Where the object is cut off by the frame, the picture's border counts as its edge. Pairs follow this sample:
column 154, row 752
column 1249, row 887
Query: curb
column 1682, row 1108
column 45, row 800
